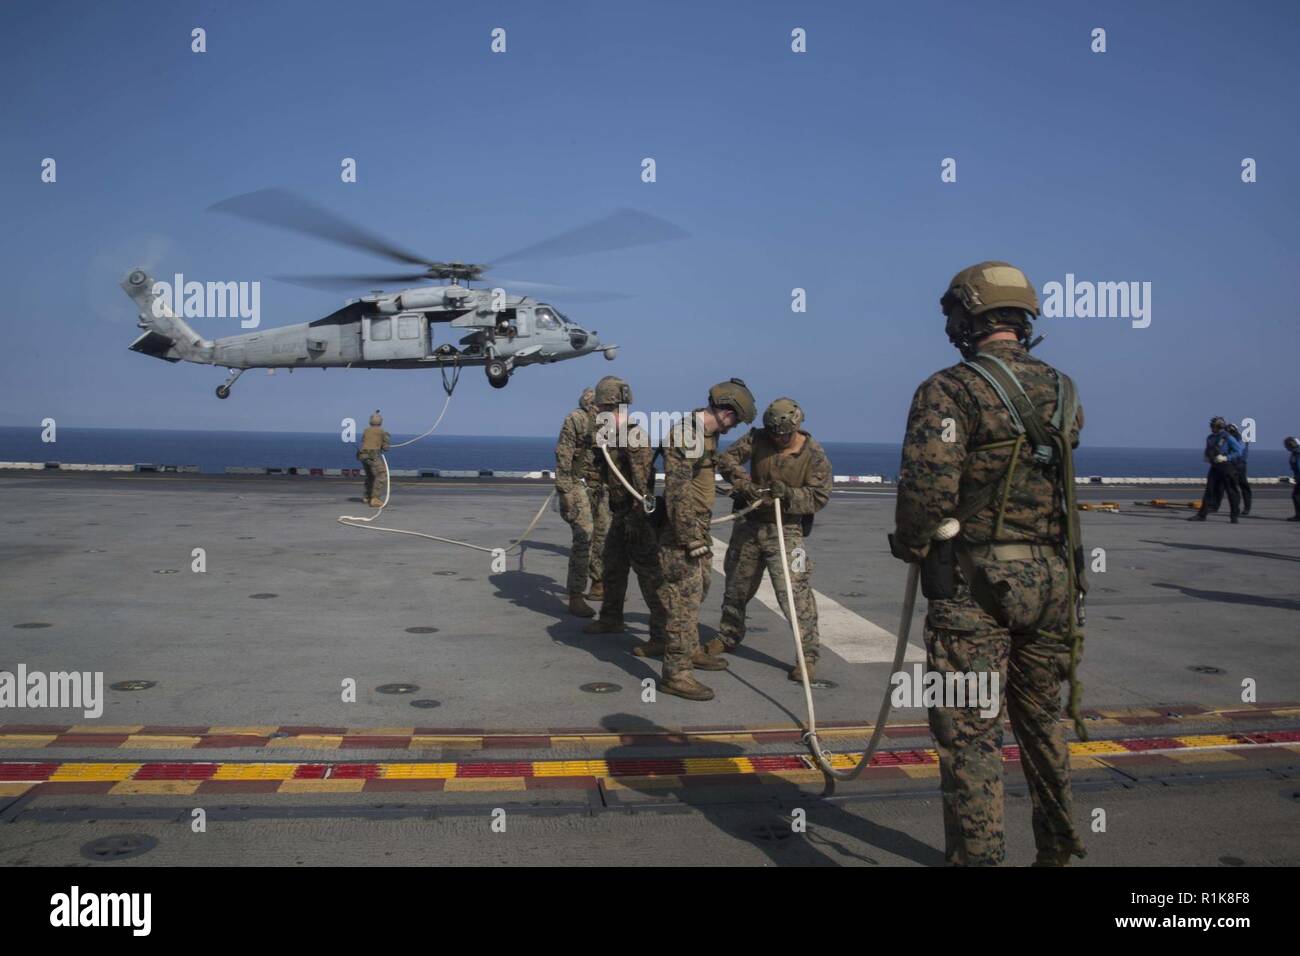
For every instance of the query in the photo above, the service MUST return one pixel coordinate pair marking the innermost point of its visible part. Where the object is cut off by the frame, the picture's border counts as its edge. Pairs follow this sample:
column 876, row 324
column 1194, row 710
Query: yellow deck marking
column 254, row 771
column 94, row 772
column 417, row 771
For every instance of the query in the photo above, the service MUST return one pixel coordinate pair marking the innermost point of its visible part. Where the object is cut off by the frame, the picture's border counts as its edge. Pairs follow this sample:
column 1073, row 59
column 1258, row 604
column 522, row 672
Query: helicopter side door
column 387, row 338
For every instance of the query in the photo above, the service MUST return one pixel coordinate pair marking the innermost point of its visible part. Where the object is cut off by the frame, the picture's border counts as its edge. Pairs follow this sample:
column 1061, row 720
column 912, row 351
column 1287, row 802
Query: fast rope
column 648, row 501
column 823, row 757
column 357, row 521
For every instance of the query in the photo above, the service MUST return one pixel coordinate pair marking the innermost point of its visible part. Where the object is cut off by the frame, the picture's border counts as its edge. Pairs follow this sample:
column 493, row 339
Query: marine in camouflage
column 374, row 442
column 1011, row 604
column 755, row 546
column 584, row 504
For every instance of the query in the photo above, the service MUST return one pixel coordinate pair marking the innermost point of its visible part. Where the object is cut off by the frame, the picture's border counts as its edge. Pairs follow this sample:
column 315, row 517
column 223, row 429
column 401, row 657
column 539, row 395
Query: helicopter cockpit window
column 381, row 330
column 546, row 318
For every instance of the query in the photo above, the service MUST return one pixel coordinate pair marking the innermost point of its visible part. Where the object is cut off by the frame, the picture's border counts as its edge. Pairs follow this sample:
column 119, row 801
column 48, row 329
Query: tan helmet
column 587, row 400
column 376, row 418
column 990, row 285
column 612, row 390
column 734, row 394
column 783, row 417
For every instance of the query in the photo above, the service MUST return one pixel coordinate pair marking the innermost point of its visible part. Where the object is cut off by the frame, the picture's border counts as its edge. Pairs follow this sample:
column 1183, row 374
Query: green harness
column 1050, row 440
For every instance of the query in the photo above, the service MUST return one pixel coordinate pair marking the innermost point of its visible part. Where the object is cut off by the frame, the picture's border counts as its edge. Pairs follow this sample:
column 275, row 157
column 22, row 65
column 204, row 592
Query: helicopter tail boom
column 166, row 335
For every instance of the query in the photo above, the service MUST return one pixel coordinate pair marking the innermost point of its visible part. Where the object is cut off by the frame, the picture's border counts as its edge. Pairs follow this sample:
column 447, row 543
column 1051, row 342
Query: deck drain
column 32, row 625
column 422, row 630
column 118, row 847
column 600, row 687
column 245, row 537
column 821, row 683
column 397, row 688
column 167, row 571
column 426, row 704
column 443, row 574
column 1232, row 861
column 96, row 550
column 262, row 595
column 853, row 594
column 133, row 684
column 1205, row 669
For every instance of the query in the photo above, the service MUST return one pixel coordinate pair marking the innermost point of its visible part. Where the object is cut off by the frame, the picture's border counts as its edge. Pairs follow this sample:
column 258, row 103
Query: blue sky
column 818, row 170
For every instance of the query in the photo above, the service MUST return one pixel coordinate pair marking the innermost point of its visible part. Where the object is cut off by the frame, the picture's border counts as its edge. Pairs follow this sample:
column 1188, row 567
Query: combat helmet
column 612, row 390
column 376, row 419
column 735, row 395
column 783, row 417
column 1218, row 422
column 1291, row 443
column 587, row 400
column 984, row 296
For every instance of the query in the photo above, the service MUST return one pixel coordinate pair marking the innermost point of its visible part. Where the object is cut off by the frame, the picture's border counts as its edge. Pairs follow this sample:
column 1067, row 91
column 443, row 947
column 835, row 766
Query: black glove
column 905, row 552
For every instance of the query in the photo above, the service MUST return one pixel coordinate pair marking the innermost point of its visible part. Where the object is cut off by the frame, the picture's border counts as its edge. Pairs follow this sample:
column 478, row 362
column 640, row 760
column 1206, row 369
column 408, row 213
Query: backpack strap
column 1025, row 416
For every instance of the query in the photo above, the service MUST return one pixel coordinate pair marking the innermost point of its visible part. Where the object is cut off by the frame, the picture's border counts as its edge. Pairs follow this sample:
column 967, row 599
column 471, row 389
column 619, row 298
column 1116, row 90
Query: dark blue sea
column 213, row 451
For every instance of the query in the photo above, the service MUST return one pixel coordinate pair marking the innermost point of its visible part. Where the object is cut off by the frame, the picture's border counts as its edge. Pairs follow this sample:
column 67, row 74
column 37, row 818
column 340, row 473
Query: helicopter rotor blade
column 622, row 229
column 285, row 210
column 350, row 283
column 557, row 293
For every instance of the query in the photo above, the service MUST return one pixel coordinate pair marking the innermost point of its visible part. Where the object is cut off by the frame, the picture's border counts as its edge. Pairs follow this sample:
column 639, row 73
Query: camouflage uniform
column 374, row 442
column 583, row 501
column 688, row 495
column 754, row 544
column 631, row 542
column 1009, row 609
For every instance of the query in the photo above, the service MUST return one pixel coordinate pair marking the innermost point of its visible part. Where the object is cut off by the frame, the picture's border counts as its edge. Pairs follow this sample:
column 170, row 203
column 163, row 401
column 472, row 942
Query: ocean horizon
column 213, row 451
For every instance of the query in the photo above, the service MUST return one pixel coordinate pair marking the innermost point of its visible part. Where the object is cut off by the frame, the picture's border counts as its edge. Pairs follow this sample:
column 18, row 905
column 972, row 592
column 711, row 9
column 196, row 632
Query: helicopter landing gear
column 223, row 390
column 498, row 373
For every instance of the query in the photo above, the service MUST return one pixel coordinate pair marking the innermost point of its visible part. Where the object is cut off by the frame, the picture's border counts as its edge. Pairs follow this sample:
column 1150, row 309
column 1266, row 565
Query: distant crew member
column 1222, row 451
column 1243, row 483
column 989, row 442
column 1293, row 446
column 374, row 442
column 792, row 465
column 584, row 503
column 685, row 552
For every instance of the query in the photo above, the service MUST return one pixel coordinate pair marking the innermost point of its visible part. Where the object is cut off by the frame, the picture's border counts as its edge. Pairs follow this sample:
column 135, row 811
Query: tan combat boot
column 651, row 648
column 375, row 503
column 596, row 592
column 578, row 607
column 795, row 675
column 705, row 661
column 716, row 647
column 685, row 685
column 602, row 626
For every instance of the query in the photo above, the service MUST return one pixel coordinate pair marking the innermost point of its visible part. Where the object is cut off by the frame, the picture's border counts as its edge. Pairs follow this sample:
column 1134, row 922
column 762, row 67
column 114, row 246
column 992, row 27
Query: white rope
column 820, row 754
column 357, row 521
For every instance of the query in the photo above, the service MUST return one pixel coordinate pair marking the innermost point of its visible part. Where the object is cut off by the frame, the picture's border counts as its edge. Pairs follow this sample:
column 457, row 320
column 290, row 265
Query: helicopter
column 499, row 331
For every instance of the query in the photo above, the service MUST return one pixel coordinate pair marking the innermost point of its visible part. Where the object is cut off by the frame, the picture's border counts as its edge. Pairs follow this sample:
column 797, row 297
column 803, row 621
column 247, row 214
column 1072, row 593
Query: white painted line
column 846, row 633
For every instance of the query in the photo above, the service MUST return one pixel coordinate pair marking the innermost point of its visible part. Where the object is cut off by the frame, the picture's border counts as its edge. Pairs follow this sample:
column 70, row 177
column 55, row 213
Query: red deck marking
column 776, row 764
column 354, row 771
column 27, row 771
column 1151, row 743
column 1272, row 737
column 175, row 771
column 310, row 771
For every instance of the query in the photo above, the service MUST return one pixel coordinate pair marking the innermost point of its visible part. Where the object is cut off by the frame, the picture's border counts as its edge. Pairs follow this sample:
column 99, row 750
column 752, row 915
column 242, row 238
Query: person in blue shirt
column 1240, row 465
column 1221, row 451
column 1293, row 446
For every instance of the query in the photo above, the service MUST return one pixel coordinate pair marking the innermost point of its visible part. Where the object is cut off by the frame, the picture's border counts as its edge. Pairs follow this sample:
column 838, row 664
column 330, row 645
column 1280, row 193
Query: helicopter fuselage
column 483, row 327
